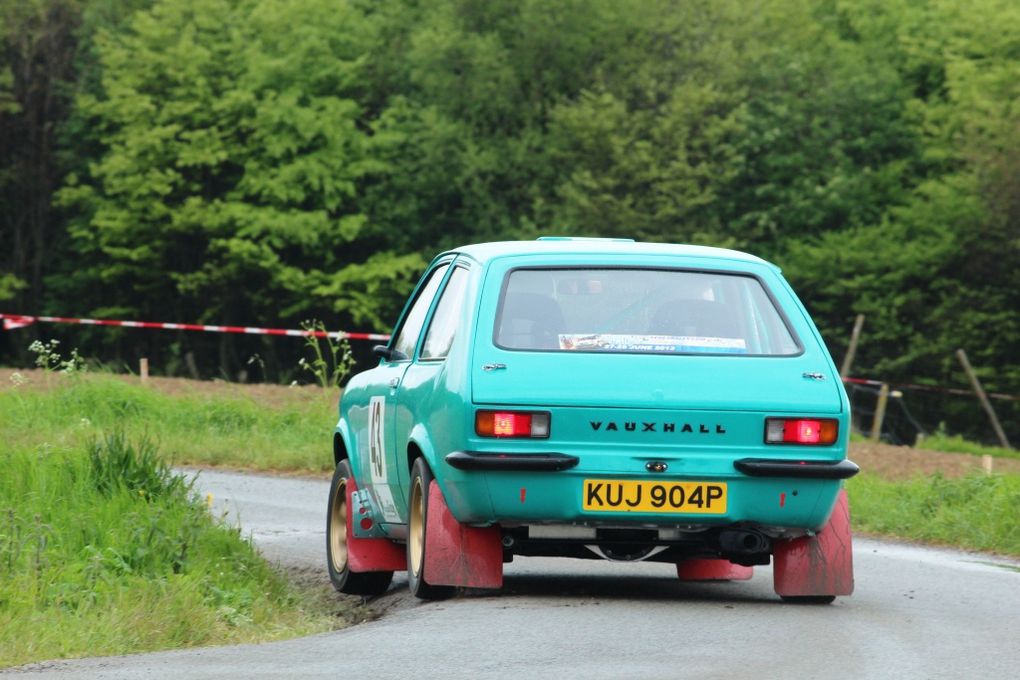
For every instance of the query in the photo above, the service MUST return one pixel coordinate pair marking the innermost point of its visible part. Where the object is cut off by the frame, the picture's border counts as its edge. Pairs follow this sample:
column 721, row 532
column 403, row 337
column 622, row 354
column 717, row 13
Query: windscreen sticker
column 651, row 343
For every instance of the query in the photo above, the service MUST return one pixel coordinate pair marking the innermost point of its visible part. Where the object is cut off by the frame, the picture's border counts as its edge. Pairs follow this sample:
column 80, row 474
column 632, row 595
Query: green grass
column 105, row 550
column 199, row 428
column 977, row 512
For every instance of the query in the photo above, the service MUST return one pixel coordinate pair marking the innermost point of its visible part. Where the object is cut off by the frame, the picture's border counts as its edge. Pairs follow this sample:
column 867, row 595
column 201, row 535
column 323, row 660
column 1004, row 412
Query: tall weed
column 118, row 464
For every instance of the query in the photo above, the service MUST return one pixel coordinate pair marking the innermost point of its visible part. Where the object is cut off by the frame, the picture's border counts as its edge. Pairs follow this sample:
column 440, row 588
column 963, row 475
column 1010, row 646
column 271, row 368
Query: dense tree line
column 265, row 161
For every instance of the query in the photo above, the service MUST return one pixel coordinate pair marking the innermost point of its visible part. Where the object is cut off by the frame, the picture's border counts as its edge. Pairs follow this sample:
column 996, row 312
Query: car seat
column 530, row 321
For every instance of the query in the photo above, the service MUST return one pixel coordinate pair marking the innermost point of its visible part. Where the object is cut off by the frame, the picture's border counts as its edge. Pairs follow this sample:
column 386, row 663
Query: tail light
column 808, row 431
column 533, row 424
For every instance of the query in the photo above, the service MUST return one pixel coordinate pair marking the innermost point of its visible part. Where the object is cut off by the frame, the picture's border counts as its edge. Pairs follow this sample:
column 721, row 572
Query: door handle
column 394, row 382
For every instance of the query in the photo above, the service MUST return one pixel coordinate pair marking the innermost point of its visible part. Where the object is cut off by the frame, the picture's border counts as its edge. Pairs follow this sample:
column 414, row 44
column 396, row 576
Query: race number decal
column 376, row 442
column 377, row 458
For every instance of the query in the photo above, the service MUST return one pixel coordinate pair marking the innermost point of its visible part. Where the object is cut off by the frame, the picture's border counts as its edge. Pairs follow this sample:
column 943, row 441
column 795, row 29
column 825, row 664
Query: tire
column 808, row 599
column 340, row 574
column 417, row 536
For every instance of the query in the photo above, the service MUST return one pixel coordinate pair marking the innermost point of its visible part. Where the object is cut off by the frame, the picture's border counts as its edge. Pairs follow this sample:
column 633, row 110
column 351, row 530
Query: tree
column 232, row 153
column 37, row 48
column 939, row 269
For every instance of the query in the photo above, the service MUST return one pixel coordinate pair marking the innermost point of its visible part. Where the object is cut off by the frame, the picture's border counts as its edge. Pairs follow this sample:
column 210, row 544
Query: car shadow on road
column 630, row 588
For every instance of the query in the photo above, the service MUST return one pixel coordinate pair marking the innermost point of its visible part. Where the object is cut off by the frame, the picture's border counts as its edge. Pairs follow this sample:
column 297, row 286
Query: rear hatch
column 650, row 361
column 703, row 411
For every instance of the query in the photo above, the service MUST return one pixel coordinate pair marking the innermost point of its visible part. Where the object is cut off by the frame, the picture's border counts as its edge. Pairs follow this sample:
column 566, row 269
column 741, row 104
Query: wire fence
column 911, row 414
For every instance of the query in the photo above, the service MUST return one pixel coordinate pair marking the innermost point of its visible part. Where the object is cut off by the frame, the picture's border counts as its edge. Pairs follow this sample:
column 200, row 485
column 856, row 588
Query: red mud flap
column 371, row 554
column 459, row 555
column 703, row 569
column 819, row 565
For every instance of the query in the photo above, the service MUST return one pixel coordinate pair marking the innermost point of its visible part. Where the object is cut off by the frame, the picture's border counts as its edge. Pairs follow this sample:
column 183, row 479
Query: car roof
column 485, row 252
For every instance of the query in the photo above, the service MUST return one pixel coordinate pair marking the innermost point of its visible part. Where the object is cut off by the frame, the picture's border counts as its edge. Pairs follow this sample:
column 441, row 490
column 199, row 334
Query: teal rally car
column 594, row 398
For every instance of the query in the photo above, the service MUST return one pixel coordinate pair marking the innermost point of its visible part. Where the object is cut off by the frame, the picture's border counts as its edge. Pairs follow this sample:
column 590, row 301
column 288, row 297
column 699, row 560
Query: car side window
column 449, row 312
column 407, row 337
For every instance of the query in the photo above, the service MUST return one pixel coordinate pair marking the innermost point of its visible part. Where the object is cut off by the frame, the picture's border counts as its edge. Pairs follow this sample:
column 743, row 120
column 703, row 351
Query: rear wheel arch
column 420, row 447
column 339, row 449
column 414, row 452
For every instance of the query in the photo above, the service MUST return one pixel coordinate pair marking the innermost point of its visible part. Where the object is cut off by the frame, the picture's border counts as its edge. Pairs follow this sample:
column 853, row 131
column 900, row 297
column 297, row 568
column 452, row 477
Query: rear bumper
column 512, row 497
column 797, row 469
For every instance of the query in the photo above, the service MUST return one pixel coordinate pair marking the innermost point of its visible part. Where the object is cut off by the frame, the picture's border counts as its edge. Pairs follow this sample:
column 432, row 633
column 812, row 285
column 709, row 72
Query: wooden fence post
column 876, row 423
column 987, row 464
column 143, row 369
column 983, row 398
column 855, row 335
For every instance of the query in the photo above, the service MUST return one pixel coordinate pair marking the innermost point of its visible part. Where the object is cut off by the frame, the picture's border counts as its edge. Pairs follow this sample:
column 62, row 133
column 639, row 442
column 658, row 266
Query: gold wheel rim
column 416, row 533
column 338, row 528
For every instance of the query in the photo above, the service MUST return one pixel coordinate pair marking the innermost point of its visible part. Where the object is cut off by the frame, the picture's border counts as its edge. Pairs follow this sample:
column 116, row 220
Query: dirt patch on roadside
column 903, row 462
column 318, row 593
column 270, row 395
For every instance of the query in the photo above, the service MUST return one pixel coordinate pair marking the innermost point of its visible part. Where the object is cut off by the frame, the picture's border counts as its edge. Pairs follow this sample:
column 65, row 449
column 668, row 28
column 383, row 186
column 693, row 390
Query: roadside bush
column 105, row 550
column 118, row 464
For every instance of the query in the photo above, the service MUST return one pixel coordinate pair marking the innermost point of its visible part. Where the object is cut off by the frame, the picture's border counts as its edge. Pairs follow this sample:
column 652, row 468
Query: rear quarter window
column 639, row 311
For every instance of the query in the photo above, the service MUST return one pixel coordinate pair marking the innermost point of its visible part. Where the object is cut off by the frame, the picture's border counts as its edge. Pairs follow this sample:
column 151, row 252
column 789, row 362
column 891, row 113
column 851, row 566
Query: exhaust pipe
column 744, row 542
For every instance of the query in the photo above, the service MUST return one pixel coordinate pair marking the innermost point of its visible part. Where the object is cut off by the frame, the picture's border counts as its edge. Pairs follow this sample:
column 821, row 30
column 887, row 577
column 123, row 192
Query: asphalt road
column 917, row 613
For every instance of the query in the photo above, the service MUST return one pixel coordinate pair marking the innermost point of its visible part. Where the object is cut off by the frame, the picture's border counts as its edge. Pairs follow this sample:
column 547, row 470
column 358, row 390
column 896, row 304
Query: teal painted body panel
column 659, row 381
column 556, row 499
column 696, row 412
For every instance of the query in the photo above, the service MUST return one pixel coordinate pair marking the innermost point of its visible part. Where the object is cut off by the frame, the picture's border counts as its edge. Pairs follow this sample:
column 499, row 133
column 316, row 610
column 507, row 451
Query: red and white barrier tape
column 12, row 321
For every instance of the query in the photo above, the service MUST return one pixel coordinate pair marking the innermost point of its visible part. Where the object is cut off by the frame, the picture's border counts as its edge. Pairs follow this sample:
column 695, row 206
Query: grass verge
column 104, row 550
column 977, row 512
column 191, row 428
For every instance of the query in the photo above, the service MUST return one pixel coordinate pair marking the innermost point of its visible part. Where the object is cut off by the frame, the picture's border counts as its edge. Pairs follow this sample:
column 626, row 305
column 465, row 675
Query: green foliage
column 94, row 563
column 231, row 154
column 10, row 285
column 373, row 292
column 937, row 268
column 37, row 47
column 828, row 144
column 261, row 162
column 48, row 357
column 976, row 512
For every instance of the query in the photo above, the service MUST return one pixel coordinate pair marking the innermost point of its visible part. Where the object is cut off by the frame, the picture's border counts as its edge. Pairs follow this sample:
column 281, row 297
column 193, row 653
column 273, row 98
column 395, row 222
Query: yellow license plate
column 620, row 495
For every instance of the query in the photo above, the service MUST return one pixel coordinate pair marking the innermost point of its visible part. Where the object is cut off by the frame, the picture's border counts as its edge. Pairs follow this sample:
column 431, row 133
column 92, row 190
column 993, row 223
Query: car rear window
column 640, row 310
